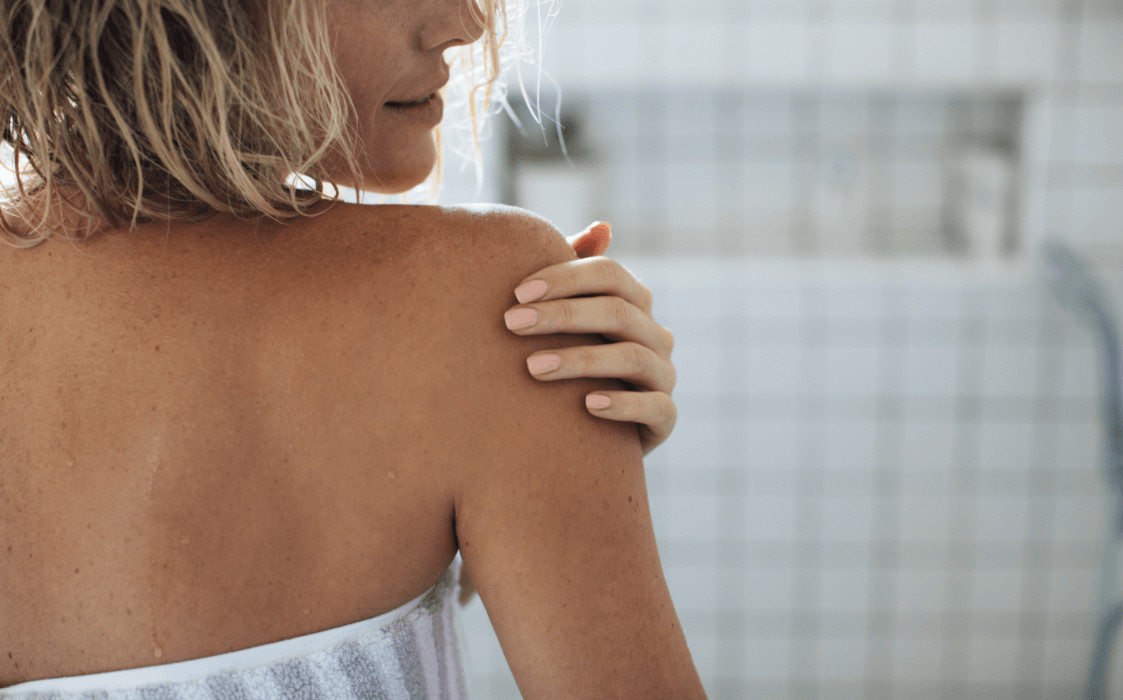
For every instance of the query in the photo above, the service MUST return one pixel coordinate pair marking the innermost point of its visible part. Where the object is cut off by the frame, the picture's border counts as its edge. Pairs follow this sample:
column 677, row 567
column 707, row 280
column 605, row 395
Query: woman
column 230, row 433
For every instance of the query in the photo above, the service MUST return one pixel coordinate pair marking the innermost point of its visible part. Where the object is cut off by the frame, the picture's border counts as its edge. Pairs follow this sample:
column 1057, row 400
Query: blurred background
column 887, row 478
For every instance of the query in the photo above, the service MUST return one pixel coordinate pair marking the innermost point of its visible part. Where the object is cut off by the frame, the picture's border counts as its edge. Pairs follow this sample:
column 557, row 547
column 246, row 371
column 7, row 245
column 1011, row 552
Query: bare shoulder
column 468, row 260
column 494, row 235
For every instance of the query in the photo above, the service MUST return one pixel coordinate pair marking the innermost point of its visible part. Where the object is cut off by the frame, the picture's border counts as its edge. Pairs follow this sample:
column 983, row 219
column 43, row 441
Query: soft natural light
column 7, row 169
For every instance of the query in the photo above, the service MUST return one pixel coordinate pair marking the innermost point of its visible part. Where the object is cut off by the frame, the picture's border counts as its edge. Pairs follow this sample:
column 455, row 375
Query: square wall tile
column 1100, row 50
column 944, row 52
column 859, row 51
column 921, row 591
column 770, row 519
column 844, row 590
column 1007, row 446
column 850, row 446
column 932, row 371
column 766, row 659
column 693, row 518
column 1001, row 519
column 1028, row 51
column 695, row 51
column 773, row 371
column 848, row 519
column 1080, row 519
column 929, row 445
column 924, row 519
column 1072, row 591
column 996, row 590
column 1098, row 136
column 767, row 589
column 918, row 660
column 773, row 445
column 993, row 660
column 1067, row 661
column 841, row 659
column 1096, row 213
column 779, row 51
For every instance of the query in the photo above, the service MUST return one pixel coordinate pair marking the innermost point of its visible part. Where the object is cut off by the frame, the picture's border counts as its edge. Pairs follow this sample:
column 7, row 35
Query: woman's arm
column 552, row 517
column 595, row 294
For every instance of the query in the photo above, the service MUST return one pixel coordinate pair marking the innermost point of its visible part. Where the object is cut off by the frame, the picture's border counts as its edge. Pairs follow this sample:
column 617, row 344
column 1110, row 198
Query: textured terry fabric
column 416, row 655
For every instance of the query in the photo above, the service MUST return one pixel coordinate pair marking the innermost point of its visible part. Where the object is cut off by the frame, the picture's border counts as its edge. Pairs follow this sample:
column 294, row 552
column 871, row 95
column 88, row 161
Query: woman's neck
column 65, row 212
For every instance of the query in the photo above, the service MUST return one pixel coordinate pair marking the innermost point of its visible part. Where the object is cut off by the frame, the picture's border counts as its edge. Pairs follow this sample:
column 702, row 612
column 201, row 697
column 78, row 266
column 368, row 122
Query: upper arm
column 552, row 518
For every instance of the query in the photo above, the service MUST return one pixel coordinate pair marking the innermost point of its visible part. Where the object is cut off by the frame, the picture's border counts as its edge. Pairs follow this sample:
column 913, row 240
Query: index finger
column 586, row 277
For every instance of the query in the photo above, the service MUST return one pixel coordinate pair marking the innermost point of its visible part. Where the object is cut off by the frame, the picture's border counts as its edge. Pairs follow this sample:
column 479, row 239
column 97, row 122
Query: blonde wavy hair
column 148, row 110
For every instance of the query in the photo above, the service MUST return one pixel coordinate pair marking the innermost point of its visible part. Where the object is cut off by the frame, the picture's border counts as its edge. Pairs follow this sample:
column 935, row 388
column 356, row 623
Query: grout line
column 1038, row 560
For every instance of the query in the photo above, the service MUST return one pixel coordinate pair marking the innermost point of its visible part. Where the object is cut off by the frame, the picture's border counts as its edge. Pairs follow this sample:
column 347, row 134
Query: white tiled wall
column 788, row 172
column 1063, row 59
column 884, row 483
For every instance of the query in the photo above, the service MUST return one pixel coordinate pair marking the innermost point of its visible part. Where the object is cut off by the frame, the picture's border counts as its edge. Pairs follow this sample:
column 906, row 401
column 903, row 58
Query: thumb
column 592, row 241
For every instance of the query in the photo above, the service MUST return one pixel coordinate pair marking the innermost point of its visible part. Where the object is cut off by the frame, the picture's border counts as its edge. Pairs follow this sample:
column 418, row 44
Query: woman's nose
column 453, row 23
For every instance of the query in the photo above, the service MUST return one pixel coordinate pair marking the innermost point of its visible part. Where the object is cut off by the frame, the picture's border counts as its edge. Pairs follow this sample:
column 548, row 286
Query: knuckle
column 565, row 314
column 583, row 359
column 670, row 341
column 607, row 270
column 621, row 312
column 645, row 292
column 670, row 411
column 567, row 280
column 636, row 357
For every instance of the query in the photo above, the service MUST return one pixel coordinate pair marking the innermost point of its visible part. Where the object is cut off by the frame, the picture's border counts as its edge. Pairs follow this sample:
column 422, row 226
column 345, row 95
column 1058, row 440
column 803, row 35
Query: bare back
column 219, row 435
column 228, row 434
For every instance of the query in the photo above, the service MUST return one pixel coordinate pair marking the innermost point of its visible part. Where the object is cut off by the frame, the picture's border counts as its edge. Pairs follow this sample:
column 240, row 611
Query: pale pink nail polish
column 530, row 291
column 597, row 402
column 518, row 319
column 540, row 364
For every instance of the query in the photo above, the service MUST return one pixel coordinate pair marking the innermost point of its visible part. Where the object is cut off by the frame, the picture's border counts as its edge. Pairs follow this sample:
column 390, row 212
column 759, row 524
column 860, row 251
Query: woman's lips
column 430, row 112
column 411, row 103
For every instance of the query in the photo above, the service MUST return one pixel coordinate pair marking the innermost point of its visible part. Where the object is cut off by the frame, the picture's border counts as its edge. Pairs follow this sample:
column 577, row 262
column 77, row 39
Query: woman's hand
column 569, row 302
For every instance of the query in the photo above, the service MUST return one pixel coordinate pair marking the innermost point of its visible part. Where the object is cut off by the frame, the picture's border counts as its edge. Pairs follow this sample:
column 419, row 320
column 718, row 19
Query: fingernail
column 597, row 402
column 540, row 364
column 602, row 228
column 517, row 319
column 531, row 291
